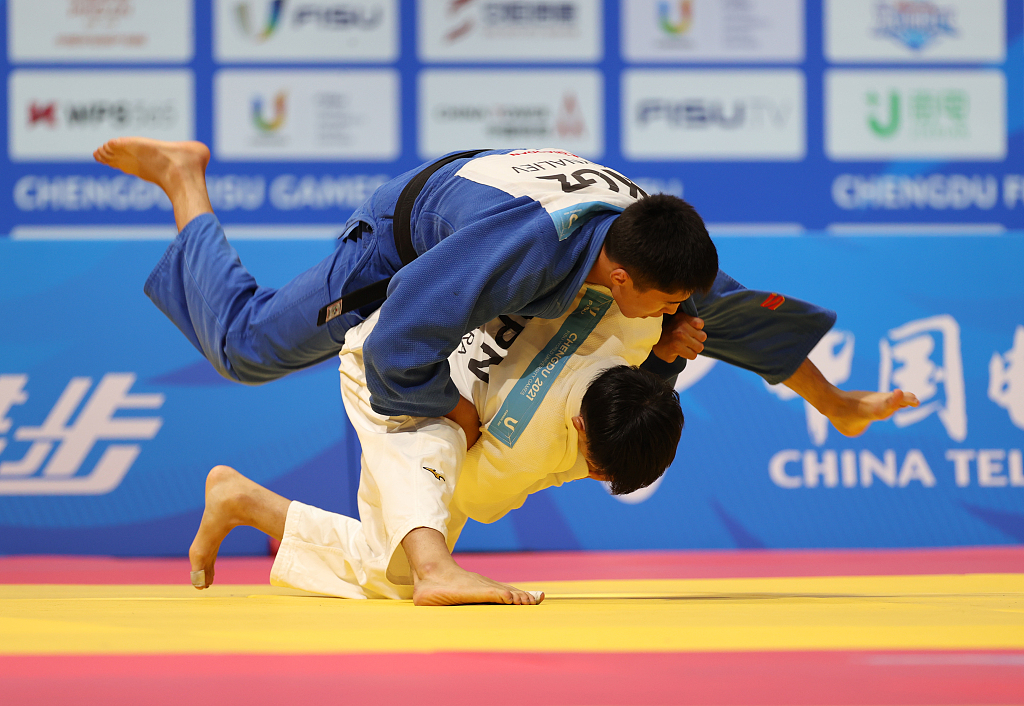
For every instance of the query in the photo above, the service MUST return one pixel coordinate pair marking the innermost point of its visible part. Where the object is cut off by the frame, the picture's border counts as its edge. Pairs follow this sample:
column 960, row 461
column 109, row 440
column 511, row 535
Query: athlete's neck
column 600, row 273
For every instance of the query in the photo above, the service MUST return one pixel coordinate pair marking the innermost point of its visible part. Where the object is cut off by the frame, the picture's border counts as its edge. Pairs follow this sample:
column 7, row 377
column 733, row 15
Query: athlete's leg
column 249, row 333
column 232, row 500
column 438, row 580
column 850, row 411
column 179, row 168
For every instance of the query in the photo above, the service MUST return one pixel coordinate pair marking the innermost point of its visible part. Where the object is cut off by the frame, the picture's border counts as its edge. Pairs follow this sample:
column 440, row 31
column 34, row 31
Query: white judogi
column 526, row 378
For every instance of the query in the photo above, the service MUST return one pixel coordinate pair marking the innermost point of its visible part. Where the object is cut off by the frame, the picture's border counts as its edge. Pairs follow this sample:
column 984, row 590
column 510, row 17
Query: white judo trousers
column 527, row 378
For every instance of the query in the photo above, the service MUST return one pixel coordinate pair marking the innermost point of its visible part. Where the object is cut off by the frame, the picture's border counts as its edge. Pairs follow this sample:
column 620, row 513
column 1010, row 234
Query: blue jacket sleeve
column 498, row 264
column 764, row 332
column 666, row 371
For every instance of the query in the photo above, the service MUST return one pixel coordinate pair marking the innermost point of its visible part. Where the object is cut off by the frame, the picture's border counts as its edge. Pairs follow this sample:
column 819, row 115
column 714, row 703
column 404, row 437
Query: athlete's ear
column 577, row 422
column 620, row 277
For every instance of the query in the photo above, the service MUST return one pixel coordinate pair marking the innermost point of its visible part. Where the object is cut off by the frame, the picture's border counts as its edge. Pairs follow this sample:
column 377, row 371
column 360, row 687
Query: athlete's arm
column 483, row 270
column 466, row 416
column 759, row 331
column 682, row 335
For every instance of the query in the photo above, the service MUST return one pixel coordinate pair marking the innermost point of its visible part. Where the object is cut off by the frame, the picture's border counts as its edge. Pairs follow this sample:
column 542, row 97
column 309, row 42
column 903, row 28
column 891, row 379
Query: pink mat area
column 554, row 566
column 521, row 679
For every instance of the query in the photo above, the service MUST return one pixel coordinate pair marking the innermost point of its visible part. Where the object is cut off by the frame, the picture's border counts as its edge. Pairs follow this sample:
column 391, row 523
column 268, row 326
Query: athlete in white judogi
column 527, row 380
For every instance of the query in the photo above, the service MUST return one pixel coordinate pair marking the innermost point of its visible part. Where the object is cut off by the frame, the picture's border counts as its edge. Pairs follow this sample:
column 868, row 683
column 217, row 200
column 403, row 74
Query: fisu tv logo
column 74, row 440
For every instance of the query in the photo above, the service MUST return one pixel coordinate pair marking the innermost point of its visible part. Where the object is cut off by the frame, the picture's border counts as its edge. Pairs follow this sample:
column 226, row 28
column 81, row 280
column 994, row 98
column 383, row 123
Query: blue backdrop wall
column 862, row 155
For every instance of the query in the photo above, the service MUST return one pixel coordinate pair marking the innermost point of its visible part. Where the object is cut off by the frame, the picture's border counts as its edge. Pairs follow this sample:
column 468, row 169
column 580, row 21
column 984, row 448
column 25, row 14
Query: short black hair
column 633, row 422
column 661, row 241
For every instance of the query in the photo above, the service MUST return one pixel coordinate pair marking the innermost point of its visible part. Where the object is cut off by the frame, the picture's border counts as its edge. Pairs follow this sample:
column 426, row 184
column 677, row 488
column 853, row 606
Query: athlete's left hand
column 681, row 335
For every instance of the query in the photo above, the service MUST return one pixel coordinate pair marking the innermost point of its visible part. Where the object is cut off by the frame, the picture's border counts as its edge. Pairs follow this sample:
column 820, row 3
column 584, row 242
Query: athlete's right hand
column 681, row 335
column 465, row 415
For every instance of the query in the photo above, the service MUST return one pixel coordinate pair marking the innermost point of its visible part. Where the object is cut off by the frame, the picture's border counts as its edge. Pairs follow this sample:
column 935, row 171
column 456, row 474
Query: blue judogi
column 482, row 252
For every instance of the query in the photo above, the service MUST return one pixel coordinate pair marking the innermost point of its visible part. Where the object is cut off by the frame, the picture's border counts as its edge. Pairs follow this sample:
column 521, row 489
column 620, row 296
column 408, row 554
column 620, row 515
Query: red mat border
column 557, row 566
column 514, row 679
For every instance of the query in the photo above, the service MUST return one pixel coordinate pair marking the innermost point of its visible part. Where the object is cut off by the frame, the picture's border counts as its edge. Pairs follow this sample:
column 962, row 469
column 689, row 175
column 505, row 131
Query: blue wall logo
column 74, row 440
column 914, row 24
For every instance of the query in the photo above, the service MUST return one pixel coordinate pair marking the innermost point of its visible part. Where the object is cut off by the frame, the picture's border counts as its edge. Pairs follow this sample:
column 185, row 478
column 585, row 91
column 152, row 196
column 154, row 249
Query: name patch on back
column 570, row 188
column 526, row 397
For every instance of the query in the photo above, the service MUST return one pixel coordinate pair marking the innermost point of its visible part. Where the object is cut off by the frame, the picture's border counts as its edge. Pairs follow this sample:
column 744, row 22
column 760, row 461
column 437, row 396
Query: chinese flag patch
column 773, row 302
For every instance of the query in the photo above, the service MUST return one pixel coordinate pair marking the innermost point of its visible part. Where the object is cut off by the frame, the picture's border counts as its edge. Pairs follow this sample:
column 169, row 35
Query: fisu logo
column 243, row 14
column 280, row 111
column 74, row 440
column 675, row 18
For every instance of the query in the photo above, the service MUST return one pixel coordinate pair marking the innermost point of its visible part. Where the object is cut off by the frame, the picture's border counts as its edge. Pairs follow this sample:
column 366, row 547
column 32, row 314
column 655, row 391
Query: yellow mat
column 977, row 611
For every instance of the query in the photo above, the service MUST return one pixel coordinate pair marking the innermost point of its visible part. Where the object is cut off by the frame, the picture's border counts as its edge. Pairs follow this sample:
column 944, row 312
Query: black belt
column 402, row 228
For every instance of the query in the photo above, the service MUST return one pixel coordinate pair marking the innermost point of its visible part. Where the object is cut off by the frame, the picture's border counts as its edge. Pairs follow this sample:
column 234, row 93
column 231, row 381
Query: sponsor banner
column 508, row 109
column 713, row 31
column 66, row 115
column 287, row 31
column 317, row 115
column 713, row 115
column 954, row 115
column 43, row 31
column 512, row 31
column 897, row 31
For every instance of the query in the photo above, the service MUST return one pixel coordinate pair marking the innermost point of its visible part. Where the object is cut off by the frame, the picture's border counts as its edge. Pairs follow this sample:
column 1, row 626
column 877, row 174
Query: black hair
column 661, row 241
column 633, row 422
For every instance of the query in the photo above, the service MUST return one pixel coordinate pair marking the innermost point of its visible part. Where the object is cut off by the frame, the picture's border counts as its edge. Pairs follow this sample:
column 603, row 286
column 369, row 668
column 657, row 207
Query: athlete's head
column 659, row 253
column 629, row 422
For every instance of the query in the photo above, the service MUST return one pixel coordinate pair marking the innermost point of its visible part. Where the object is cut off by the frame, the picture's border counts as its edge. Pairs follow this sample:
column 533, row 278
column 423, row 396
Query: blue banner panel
column 110, row 420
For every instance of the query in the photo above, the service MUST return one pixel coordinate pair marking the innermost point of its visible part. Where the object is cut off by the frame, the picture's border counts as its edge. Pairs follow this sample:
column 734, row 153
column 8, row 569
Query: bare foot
column 226, row 491
column 155, row 161
column 461, row 587
column 863, row 408
column 179, row 168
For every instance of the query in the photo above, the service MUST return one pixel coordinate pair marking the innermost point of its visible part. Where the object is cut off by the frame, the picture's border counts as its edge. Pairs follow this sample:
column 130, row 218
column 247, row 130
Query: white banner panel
column 520, row 31
column 713, row 115
column 99, row 31
column 896, row 31
column 66, row 115
column 283, row 31
column 880, row 115
column 309, row 115
column 507, row 109
column 713, row 30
